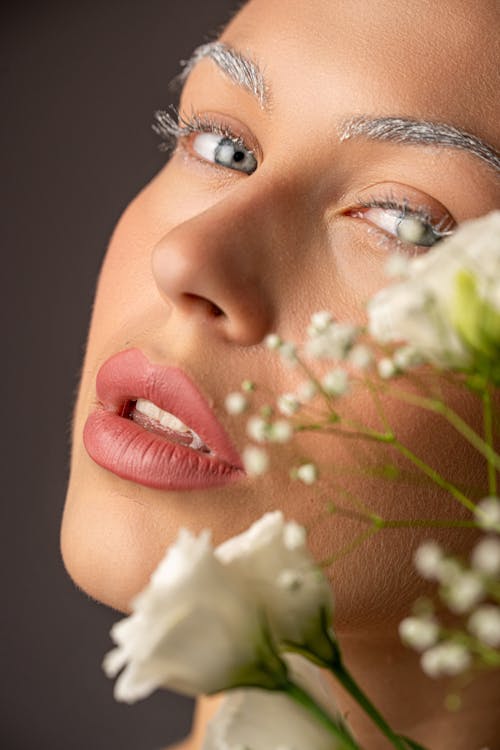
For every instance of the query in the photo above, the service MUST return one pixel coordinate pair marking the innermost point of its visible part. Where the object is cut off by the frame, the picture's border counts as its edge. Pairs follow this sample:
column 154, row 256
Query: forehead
column 421, row 59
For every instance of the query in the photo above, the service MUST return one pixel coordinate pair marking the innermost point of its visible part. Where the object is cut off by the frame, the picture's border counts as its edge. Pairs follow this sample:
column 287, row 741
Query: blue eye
column 210, row 139
column 224, row 150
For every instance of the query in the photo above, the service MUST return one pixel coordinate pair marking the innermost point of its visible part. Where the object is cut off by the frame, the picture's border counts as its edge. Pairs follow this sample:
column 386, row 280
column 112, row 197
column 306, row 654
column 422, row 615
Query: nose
column 212, row 268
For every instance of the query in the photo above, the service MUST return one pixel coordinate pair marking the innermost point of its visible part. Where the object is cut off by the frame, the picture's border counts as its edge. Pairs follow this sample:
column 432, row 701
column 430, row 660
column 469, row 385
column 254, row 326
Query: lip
column 128, row 450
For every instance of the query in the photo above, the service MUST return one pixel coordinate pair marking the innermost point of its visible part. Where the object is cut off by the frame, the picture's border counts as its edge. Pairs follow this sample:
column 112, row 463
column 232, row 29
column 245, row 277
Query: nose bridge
column 218, row 265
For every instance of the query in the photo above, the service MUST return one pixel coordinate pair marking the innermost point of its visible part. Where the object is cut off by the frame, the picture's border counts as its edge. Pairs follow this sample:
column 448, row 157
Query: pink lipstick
column 153, row 427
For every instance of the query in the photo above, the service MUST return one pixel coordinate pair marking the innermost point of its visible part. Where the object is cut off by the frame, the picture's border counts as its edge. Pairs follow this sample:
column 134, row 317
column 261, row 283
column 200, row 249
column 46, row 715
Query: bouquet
column 253, row 618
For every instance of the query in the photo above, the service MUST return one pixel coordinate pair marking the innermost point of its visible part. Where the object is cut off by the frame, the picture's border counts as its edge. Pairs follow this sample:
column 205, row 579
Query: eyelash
column 440, row 228
column 174, row 129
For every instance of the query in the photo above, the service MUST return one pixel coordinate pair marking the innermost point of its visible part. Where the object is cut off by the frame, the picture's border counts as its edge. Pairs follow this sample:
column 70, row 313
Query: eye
column 404, row 224
column 210, row 138
column 224, row 150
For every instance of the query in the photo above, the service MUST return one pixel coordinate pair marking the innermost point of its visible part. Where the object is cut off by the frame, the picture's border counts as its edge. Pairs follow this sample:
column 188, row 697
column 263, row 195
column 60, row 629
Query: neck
column 412, row 703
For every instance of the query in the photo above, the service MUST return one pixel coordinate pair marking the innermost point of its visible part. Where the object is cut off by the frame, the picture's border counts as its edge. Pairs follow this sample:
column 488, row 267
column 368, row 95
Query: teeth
column 163, row 417
column 169, row 421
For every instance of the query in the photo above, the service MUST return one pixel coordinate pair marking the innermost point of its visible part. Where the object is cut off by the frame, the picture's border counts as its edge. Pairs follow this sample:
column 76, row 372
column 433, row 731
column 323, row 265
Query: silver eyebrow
column 241, row 69
column 408, row 130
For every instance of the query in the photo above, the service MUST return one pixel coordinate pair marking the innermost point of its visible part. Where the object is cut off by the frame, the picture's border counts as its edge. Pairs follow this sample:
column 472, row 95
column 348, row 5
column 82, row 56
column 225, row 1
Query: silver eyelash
column 440, row 228
column 167, row 127
column 170, row 129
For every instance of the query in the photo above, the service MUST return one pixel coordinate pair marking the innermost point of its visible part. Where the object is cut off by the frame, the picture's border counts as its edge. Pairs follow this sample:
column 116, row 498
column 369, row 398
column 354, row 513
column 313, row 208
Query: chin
column 107, row 549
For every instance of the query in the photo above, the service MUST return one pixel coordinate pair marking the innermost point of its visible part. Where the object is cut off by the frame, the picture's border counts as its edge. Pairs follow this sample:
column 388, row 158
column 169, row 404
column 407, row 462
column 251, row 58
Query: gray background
column 80, row 81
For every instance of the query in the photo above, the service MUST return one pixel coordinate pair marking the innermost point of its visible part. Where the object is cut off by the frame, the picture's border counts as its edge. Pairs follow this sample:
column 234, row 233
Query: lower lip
column 131, row 452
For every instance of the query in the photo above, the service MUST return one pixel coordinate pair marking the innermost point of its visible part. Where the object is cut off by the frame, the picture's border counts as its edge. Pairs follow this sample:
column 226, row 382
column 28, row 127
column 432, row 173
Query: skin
column 200, row 236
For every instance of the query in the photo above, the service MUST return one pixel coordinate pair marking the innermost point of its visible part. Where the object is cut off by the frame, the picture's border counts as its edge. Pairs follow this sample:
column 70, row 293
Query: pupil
column 238, row 156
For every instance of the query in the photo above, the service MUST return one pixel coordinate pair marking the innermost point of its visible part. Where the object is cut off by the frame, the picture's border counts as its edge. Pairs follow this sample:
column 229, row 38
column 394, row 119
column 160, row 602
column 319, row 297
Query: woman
column 306, row 133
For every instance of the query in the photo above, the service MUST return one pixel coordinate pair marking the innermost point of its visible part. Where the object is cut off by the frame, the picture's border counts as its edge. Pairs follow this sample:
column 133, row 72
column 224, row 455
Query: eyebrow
column 246, row 73
column 420, row 132
column 240, row 68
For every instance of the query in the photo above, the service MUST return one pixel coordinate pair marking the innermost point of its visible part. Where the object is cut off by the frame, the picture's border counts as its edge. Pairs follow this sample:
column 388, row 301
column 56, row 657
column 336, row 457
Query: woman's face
column 210, row 257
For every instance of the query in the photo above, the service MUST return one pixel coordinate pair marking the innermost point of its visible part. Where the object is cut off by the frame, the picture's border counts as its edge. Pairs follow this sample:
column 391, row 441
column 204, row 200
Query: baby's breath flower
column 361, row 357
column 288, row 404
column 257, row 429
column 236, row 403
column 484, row 623
column 307, row 391
column 449, row 571
column 465, row 592
column 321, row 320
column 428, row 559
column 486, row 556
column 446, row 305
column 288, row 353
column 406, row 357
column 386, row 368
column 280, row 431
column 488, row 513
column 335, row 382
column 272, row 341
column 397, row 265
column 307, row 473
column 447, row 658
column 419, row 632
column 255, row 460
column 332, row 343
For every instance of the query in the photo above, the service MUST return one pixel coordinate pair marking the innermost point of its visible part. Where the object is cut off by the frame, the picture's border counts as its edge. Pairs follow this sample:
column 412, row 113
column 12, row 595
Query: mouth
column 160, row 422
column 153, row 426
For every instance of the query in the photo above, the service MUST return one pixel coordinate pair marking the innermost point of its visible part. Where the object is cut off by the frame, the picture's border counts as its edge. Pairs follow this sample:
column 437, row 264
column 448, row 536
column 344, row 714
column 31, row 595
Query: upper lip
column 129, row 375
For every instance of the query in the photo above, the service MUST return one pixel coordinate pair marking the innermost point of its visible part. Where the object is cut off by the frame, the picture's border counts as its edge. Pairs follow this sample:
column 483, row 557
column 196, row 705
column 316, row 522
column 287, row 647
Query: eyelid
column 400, row 199
column 173, row 129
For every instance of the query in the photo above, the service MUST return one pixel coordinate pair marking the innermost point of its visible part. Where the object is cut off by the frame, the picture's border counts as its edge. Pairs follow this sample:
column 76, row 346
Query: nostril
column 212, row 309
column 216, row 311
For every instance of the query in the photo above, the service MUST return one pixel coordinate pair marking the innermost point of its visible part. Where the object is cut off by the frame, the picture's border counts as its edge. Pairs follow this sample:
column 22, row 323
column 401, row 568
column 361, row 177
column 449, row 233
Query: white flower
column 260, row 720
column 449, row 572
column 297, row 613
column 255, row 460
column 335, row 382
column 235, row 403
column 486, row 556
column 257, row 429
column 320, row 321
column 484, row 623
column 464, row 592
column 386, row 368
column 397, row 265
column 446, row 658
column 272, row 341
column 288, row 353
column 406, row 357
column 192, row 629
column 361, row 357
column 280, row 431
column 488, row 513
column 428, row 558
column 334, row 342
column 307, row 390
column 419, row 632
column 288, row 404
column 307, row 473
column 448, row 306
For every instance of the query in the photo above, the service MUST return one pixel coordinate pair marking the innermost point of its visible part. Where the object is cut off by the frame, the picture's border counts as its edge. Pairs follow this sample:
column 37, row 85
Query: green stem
column 435, row 476
column 488, row 434
column 427, row 523
column 296, row 693
column 348, row 682
column 439, row 407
